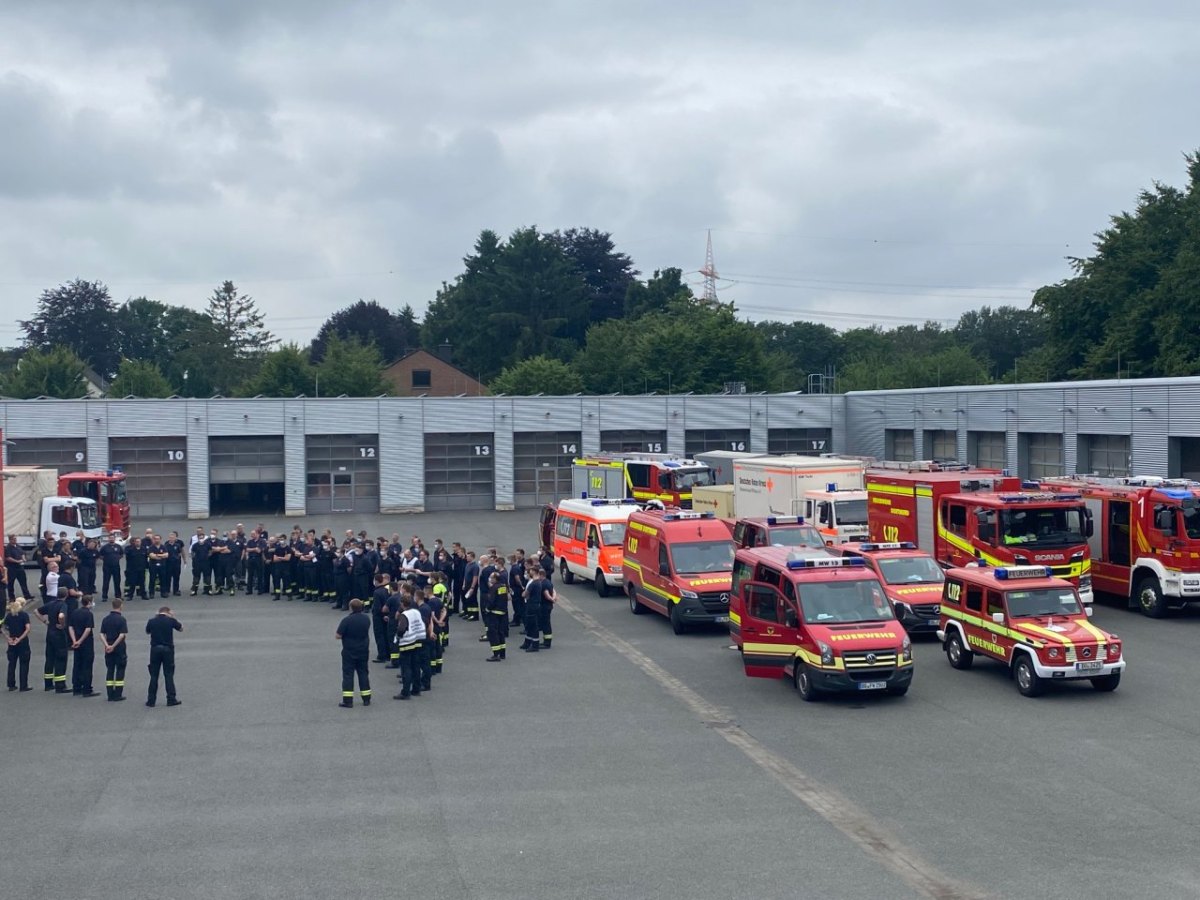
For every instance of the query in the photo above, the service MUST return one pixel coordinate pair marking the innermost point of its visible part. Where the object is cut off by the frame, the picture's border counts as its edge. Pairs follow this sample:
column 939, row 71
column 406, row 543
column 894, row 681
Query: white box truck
column 721, row 462
column 777, row 485
column 714, row 498
column 31, row 507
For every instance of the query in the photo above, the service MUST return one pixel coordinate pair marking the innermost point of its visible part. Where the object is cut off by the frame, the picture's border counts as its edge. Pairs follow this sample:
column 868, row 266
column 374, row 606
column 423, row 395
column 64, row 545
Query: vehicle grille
column 1087, row 653
column 869, row 660
column 1061, row 571
column 715, row 602
column 928, row 610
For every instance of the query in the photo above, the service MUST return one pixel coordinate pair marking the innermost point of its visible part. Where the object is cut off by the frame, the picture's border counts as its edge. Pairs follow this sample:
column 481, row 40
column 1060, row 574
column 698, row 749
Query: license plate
column 721, row 619
column 872, row 685
column 932, row 621
column 1089, row 666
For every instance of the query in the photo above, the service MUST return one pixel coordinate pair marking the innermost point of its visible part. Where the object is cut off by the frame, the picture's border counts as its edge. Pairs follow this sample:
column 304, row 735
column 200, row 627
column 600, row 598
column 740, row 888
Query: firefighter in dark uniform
column 156, row 564
column 458, row 568
column 43, row 555
column 533, row 608
column 325, row 558
column 268, row 558
column 308, row 567
column 362, row 574
column 281, row 560
column 471, row 588
column 295, row 543
column 114, row 631
column 342, row 564
column 111, row 554
column 201, row 552
column 53, row 614
column 495, row 614
column 354, row 632
column 548, row 600
column 438, row 594
column 216, row 550
column 174, row 565
column 14, row 565
column 17, row 628
column 136, row 563
column 87, row 556
column 80, row 627
column 68, row 588
column 254, row 564
column 380, row 623
column 162, row 630
column 235, row 567
column 516, row 587
column 487, row 564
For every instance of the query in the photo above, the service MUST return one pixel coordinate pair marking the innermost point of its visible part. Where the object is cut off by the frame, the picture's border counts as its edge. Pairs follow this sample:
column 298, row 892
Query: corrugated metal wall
column 1152, row 412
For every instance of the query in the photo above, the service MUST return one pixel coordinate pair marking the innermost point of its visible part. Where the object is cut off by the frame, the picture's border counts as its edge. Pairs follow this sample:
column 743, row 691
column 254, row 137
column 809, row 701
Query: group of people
column 400, row 597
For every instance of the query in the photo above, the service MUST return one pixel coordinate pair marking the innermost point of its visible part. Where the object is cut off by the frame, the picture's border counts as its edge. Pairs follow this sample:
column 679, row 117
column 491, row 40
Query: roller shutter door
column 246, row 475
column 698, row 440
column 799, row 441
column 155, row 472
column 64, row 454
column 633, row 441
column 460, row 471
column 542, row 466
column 341, row 473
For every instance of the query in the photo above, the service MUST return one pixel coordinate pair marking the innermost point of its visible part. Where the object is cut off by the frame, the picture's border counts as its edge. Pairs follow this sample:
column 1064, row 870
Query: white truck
column 31, row 508
column 827, row 491
column 721, row 462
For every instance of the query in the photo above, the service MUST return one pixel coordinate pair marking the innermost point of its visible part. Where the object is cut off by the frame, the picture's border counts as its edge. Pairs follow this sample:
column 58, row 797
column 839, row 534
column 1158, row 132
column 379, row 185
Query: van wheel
column 1028, row 682
column 677, row 624
column 960, row 657
column 1150, row 597
column 601, row 584
column 1107, row 683
column 634, row 606
column 568, row 576
column 804, row 686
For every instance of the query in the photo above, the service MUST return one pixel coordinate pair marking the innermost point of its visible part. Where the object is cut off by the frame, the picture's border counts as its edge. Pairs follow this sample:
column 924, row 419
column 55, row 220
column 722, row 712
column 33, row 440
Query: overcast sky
column 856, row 163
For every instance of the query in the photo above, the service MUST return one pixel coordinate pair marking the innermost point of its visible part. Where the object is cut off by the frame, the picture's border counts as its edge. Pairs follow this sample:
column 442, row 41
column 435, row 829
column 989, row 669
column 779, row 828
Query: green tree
column 285, row 372
column 953, row 365
column 999, row 337
column 240, row 327
column 799, row 349
column 611, row 359
column 81, row 316
column 660, row 291
column 370, row 323
column 139, row 378
column 538, row 375
column 57, row 372
column 606, row 272
column 351, row 368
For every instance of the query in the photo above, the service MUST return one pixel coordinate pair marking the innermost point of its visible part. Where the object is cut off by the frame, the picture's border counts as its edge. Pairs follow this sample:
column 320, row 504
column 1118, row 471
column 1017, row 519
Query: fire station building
column 194, row 458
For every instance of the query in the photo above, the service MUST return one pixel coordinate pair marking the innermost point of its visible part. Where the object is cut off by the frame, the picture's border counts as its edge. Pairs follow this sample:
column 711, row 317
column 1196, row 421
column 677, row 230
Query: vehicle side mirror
column 591, row 543
column 1089, row 611
column 1089, row 527
column 664, row 569
column 998, row 618
column 790, row 619
column 664, row 481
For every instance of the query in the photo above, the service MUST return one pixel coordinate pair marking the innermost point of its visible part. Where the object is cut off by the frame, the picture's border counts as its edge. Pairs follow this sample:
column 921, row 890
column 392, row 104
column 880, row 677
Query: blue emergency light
column 1011, row 573
column 826, row 562
column 785, row 520
column 831, row 487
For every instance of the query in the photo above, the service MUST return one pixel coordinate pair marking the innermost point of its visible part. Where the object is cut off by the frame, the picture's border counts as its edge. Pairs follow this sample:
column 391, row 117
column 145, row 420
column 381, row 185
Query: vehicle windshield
column 1044, row 527
column 911, row 570
column 795, row 536
column 686, row 479
column 1191, row 520
column 612, row 533
column 702, row 556
column 1043, row 602
column 851, row 512
column 830, row 602
column 88, row 517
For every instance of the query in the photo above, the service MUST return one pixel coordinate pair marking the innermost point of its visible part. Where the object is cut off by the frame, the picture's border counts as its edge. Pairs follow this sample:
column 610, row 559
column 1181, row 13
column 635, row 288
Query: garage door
column 460, row 471
column 542, row 466
column 633, row 441
column 245, row 475
column 799, row 441
column 698, row 440
column 341, row 473
column 64, row 454
column 155, row 472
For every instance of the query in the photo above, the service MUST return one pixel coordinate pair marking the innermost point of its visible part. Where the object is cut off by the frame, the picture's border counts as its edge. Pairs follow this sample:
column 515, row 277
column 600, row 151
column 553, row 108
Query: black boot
column 495, row 657
column 346, row 703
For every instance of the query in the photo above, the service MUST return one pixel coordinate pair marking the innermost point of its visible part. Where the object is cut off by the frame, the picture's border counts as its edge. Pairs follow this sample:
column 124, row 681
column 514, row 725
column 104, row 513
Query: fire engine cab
column 1031, row 622
column 642, row 476
column 776, row 531
column 107, row 489
column 1147, row 547
column 911, row 578
column 961, row 514
column 823, row 622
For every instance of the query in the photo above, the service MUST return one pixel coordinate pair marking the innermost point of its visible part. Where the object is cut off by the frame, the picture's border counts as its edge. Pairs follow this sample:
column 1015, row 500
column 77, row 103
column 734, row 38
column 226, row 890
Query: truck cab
column 841, row 516
column 1030, row 622
column 776, row 531
column 678, row 563
column 911, row 578
column 106, row 490
column 823, row 622
column 642, row 476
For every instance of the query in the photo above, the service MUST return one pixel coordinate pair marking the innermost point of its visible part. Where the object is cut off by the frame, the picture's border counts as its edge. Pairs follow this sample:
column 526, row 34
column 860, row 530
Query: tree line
column 565, row 311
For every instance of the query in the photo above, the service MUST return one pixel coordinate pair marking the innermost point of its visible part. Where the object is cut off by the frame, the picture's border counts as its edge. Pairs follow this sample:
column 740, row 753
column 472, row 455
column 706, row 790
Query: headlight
column 826, row 653
column 689, row 595
column 1054, row 653
column 1114, row 650
column 1085, row 582
column 906, row 650
column 614, row 569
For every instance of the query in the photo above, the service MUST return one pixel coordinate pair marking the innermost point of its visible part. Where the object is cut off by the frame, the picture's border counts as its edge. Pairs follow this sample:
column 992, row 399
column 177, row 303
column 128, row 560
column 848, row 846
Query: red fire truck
column 1147, row 547
column 962, row 514
column 107, row 489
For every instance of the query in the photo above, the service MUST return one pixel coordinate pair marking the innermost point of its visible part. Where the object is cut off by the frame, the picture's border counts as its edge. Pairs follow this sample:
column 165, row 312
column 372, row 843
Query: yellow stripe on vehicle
column 889, row 489
column 924, row 492
column 735, row 618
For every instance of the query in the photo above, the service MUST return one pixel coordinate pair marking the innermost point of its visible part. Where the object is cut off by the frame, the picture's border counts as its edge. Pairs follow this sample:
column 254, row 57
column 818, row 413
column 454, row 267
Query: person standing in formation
column 111, row 554
column 14, row 568
column 410, row 637
column 17, row 627
column 176, row 554
column 53, row 614
column 80, row 627
column 354, row 631
column 162, row 630
column 114, row 631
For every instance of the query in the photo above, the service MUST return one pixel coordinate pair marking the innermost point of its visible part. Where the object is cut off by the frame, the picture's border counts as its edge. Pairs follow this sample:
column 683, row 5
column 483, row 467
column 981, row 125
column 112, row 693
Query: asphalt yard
column 626, row 762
